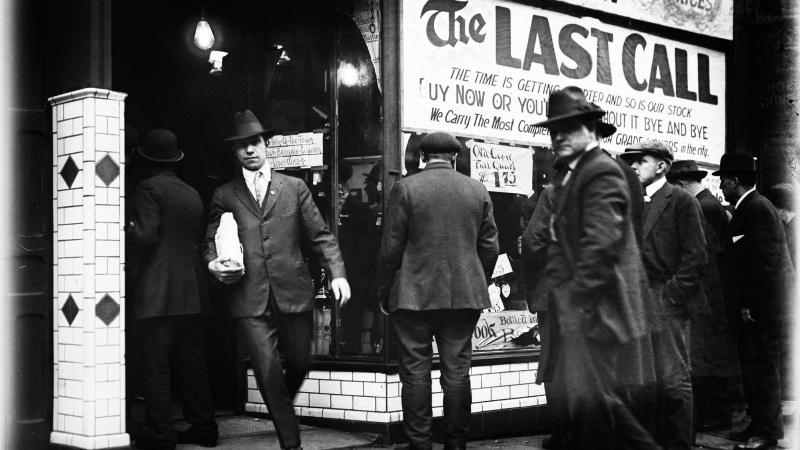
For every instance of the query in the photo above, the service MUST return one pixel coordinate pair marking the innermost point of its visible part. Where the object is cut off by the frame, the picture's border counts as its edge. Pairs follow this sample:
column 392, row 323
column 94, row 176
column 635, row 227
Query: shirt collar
column 250, row 176
column 743, row 196
column 653, row 187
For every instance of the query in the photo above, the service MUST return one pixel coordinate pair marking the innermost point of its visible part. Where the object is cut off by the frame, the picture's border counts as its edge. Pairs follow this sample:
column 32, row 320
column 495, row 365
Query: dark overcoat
column 601, row 291
column 271, row 237
column 169, row 277
column 674, row 254
column 439, row 242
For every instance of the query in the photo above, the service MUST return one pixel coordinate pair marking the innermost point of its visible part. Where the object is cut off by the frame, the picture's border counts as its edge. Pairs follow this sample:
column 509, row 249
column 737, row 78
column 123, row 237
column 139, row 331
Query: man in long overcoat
column 760, row 274
column 271, row 296
column 594, row 279
column 438, row 250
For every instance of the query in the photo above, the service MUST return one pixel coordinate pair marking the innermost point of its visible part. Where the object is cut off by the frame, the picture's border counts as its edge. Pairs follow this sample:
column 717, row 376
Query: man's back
column 439, row 242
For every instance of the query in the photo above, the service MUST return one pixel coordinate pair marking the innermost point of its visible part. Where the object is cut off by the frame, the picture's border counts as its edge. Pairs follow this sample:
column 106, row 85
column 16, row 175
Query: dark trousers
column 598, row 419
column 266, row 337
column 173, row 348
column 453, row 332
column 760, row 353
column 674, row 428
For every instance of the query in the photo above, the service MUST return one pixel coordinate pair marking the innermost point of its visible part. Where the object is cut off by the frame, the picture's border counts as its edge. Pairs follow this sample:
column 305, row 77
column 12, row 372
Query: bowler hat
column 569, row 103
column 161, row 145
column 246, row 125
column 684, row 169
column 735, row 163
column 648, row 147
column 440, row 143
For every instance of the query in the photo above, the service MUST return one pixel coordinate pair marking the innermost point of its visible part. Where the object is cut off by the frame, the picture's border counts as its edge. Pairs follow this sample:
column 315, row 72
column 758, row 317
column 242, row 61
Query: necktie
column 257, row 188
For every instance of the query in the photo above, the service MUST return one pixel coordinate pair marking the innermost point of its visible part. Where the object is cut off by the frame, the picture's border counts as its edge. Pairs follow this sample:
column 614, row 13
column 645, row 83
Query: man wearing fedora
column 715, row 361
column 169, row 297
column 674, row 253
column 271, row 296
column 593, row 280
column 438, row 250
column 759, row 273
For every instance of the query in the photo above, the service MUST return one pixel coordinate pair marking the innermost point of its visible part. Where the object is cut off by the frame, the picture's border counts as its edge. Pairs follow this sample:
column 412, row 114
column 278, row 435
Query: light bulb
column 203, row 37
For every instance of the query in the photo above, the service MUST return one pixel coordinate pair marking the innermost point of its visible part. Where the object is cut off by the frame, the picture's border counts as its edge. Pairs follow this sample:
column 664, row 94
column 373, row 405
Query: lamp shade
column 203, row 37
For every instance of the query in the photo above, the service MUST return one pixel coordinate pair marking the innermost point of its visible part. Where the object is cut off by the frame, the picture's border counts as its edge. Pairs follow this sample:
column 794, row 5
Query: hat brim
column 605, row 129
column 700, row 174
column 639, row 153
column 595, row 114
column 175, row 158
column 732, row 172
column 266, row 133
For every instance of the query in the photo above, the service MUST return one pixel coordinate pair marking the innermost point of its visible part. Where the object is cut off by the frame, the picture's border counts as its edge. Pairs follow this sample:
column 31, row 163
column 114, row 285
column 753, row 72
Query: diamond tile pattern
column 107, row 170
column 107, row 309
column 69, row 171
column 70, row 309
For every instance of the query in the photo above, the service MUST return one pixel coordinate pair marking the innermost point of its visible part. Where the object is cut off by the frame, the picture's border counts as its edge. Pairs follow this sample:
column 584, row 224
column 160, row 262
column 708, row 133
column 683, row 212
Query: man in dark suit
column 593, row 279
column 170, row 297
column 715, row 361
column 438, row 250
column 757, row 259
column 674, row 253
column 271, row 296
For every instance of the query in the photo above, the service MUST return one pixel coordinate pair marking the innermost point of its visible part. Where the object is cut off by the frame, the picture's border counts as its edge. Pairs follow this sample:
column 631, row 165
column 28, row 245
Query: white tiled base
column 90, row 442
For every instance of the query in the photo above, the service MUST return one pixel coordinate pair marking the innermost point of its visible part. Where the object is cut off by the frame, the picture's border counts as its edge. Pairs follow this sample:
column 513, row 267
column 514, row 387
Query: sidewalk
column 246, row 433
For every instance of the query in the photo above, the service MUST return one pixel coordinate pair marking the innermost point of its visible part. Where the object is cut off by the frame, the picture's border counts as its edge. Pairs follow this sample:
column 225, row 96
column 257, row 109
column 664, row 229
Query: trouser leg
column 674, row 383
column 760, row 355
column 157, row 337
column 415, row 354
column 191, row 373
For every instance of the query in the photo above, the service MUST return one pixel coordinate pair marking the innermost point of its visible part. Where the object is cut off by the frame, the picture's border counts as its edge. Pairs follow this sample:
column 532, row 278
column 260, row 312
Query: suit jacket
column 535, row 240
column 757, row 258
column 601, row 290
column 439, row 243
column 714, row 214
column 169, row 277
column 674, row 253
column 271, row 236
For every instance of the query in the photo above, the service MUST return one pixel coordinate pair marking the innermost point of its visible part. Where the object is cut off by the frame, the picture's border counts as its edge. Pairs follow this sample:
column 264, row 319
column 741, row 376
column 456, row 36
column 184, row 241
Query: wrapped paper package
column 229, row 248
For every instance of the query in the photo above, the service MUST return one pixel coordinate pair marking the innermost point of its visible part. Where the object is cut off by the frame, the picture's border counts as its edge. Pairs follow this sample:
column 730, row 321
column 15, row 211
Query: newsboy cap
column 648, row 147
column 440, row 143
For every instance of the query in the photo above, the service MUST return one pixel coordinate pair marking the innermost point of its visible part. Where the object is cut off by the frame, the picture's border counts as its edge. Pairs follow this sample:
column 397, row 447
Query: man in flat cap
column 271, row 296
column 759, row 273
column 715, row 361
column 593, row 280
column 438, row 250
column 674, row 252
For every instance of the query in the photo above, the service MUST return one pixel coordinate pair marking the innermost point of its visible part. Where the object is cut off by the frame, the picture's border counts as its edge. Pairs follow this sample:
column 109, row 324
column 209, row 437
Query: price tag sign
column 502, row 266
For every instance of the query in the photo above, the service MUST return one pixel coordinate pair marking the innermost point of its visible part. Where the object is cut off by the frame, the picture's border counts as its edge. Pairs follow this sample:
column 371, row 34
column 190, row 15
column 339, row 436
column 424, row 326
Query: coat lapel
column 274, row 191
column 241, row 191
column 657, row 205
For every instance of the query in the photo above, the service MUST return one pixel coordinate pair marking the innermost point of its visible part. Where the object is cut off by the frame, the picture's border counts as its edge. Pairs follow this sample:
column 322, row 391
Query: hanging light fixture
column 203, row 36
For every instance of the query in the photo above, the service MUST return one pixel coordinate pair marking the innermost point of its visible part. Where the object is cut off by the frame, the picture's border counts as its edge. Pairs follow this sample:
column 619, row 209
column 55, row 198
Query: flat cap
column 440, row 143
column 648, row 147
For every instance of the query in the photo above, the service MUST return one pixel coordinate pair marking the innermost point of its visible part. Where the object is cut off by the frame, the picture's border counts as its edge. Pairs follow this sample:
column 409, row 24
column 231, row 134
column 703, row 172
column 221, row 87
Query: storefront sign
column 505, row 329
column 297, row 150
column 502, row 168
column 706, row 17
column 482, row 68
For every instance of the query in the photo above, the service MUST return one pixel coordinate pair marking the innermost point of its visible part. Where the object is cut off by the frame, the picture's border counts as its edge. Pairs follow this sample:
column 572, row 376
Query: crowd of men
column 659, row 314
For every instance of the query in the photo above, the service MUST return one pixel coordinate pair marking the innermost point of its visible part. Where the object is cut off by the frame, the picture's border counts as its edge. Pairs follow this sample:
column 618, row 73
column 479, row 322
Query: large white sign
column 501, row 168
column 484, row 69
column 706, row 17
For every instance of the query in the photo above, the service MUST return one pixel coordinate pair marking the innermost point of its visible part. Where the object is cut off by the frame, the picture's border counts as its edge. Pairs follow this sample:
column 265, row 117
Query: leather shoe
column 757, row 443
column 201, row 437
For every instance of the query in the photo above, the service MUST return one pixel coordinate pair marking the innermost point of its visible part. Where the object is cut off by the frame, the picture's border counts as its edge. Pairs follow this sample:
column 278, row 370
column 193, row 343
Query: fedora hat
column 684, row 169
column 440, row 143
column 648, row 147
column 246, row 125
column 569, row 103
column 605, row 129
column 735, row 163
column 161, row 145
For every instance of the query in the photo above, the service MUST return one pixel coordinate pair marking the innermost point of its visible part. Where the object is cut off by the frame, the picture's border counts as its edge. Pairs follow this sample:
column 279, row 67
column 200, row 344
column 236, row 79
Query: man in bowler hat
column 438, row 250
column 170, row 297
column 271, row 296
column 759, row 275
column 674, row 253
column 593, row 280
column 715, row 361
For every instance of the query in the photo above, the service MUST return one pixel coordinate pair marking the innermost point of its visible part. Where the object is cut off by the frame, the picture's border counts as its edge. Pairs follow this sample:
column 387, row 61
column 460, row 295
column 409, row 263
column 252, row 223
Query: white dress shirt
column 738, row 202
column 263, row 184
column 651, row 189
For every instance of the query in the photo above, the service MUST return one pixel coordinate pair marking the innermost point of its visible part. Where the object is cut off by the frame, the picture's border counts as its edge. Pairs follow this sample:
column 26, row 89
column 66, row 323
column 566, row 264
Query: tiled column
column 88, row 243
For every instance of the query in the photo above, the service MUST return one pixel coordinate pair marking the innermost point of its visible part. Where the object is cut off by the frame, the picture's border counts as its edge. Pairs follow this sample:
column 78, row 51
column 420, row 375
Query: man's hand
column 746, row 317
column 341, row 290
column 224, row 273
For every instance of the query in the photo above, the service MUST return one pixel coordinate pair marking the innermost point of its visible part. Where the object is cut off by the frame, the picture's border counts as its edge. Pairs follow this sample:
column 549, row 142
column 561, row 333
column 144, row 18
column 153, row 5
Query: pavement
column 245, row 433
